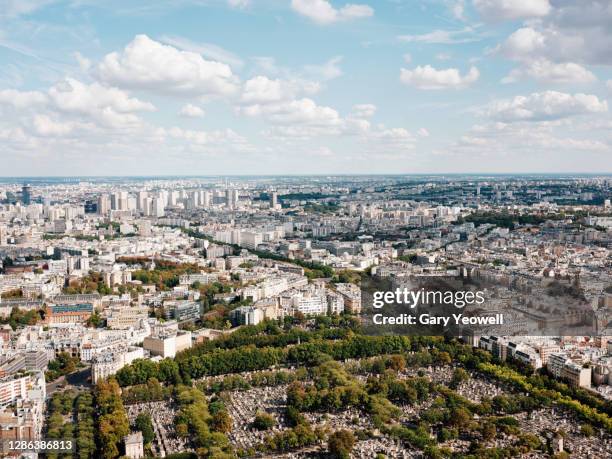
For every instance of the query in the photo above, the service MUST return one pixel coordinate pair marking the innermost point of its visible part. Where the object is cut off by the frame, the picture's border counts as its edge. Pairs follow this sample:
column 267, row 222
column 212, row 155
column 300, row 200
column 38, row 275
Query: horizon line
column 394, row 174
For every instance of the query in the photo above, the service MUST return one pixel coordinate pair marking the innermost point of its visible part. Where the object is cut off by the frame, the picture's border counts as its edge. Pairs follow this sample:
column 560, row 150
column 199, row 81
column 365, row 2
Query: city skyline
column 479, row 175
column 304, row 87
column 336, row 316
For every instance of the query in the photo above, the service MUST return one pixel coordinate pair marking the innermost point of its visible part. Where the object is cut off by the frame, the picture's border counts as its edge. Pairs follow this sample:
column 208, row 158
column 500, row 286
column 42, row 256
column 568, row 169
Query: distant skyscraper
column 232, row 198
column 141, row 199
column 104, row 204
column 172, row 197
column 26, row 194
column 274, row 199
column 119, row 200
column 194, row 200
column 158, row 207
column 206, row 199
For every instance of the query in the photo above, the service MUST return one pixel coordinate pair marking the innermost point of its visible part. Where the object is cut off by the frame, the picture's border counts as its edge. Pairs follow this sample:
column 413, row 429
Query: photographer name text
column 428, row 319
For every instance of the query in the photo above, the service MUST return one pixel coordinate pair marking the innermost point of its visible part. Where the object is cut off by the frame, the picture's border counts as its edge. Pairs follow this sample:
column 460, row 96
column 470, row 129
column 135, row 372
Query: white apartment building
column 310, row 303
column 167, row 345
column 26, row 387
column 108, row 364
column 250, row 240
column 247, row 315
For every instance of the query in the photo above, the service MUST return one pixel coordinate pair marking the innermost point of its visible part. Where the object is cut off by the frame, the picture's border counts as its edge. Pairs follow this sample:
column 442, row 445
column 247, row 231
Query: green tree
column 145, row 425
column 112, row 419
column 95, row 320
column 341, row 443
column 263, row 421
column 459, row 376
column 587, row 430
column 221, row 422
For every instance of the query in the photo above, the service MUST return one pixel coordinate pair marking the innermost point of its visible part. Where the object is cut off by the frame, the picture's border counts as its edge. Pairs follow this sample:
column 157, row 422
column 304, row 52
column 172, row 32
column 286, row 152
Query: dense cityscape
column 305, row 229
column 225, row 317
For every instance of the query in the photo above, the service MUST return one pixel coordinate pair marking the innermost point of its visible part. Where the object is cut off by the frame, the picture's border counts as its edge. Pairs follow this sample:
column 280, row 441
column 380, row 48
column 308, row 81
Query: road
column 77, row 380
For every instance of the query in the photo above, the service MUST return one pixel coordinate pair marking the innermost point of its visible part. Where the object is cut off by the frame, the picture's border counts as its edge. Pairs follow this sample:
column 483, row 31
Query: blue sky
column 304, row 86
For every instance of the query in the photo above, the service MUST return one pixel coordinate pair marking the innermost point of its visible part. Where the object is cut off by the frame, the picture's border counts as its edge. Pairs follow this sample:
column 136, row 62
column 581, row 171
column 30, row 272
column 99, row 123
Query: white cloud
column 72, row 120
column 548, row 72
column 75, row 123
column 13, row 8
column 74, row 96
column 423, row 132
column 274, row 83
column 208, row 50
column 501, row 138
column 322, row 151
column 266, row 64
column 148, row 64
column 523, row 43
column 352, row 11
column 199, row 137
column 281, row 102
column 497, row 10
column 47, row 127
column 609, row 84
column 107, row 105
column 376, row 140
column 239, row 4
column 13, row 135
column 263, row 90
column 577, row 32
column 302, row 119
column 293, row 118
column 356, row 125
column 22, row 99
column 394, row 135
column 322, row 11
column 327, row 71
column 191, row 111
column 543, row 106
column 442, row 37
column 84, row 63
column 530, row 47
column 428, row 77
column 364, row 110
column 458, row 9
column 301, row 111
column 388, row 142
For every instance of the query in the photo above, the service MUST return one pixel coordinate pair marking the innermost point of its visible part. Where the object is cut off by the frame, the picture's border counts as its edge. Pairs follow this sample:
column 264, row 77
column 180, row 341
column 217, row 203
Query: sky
column 246, row 87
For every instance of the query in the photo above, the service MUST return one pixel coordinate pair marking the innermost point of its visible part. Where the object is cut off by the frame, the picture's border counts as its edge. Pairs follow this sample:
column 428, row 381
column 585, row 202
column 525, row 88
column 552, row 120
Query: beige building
column 576, row 375
column 352, row 297
column 124, row 317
